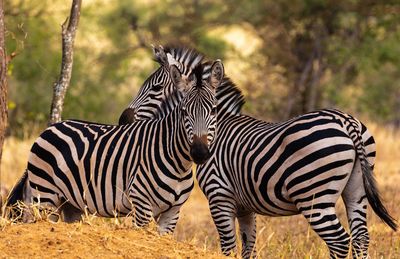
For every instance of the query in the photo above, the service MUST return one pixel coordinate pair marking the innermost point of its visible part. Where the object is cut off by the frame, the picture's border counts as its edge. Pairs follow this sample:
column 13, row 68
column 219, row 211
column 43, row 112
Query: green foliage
column 352, row 47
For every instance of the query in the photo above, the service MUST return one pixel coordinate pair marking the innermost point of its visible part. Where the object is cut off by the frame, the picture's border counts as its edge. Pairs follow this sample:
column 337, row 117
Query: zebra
column 159, row 85
column 302, row 165
column 299, row 166
column 142, row 168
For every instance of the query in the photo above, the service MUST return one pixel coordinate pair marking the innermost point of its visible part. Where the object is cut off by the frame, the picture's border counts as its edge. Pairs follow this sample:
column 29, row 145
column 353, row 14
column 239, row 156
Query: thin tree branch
column 69, row 28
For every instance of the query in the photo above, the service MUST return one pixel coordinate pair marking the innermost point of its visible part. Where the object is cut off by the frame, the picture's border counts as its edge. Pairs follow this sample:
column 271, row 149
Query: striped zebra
column 159, row 85
column 300, row 166
column 143, row 168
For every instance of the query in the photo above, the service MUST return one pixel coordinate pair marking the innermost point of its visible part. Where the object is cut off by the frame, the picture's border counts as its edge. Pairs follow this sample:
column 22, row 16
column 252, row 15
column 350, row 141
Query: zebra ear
column 176, row 77
column 217, row 74
column 159, row 55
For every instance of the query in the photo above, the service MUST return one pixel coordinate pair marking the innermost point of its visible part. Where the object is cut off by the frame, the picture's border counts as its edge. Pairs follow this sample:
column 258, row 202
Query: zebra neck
column 148, row 83
column 176, row 143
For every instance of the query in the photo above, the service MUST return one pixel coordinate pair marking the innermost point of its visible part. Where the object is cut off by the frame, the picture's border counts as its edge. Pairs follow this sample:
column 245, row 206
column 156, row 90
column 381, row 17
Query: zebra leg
column 167, row 220
column 27, row 213
column 142, row 214
column 356, row 202
column 47, row 201
column 326, row 224
column 70, row 214
column 224, row 220
column 247, row 225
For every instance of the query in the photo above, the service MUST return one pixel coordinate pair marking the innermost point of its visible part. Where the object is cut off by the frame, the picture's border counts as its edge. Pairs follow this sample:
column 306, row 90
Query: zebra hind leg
column 247, row 225
column 70, row 214
column 327, row 225
column 40, row 204
column 355, row 200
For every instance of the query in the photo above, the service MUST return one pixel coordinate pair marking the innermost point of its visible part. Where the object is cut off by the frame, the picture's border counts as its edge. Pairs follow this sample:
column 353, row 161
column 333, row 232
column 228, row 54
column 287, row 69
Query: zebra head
column 198, row 108
column 159, row 85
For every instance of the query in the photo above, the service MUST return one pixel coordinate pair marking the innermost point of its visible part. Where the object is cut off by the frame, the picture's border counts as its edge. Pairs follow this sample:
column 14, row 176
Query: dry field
column 287, row 237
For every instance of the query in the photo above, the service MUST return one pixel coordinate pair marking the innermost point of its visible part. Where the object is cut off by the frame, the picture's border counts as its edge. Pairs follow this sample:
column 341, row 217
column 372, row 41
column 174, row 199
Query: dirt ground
column 81, row 240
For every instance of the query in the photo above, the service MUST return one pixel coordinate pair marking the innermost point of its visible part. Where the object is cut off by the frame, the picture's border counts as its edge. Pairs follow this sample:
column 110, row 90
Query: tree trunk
column 297, row 89
column 68, row 38
column 3, row 87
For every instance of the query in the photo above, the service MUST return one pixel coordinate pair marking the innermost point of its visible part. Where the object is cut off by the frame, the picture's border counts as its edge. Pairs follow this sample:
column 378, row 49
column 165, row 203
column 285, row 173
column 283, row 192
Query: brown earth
column 83, row 240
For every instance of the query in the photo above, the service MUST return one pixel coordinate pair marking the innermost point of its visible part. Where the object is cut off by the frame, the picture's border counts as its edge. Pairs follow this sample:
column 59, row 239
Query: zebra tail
column 374, row 197
column 17, row 192
column 371, row 188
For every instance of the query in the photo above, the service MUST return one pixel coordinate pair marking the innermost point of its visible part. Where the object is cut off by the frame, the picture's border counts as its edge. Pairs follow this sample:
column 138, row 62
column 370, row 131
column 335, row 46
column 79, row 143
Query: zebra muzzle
column 199, row 149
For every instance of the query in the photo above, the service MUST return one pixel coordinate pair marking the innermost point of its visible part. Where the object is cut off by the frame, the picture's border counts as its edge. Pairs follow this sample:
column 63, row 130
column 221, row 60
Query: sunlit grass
column 284, row 237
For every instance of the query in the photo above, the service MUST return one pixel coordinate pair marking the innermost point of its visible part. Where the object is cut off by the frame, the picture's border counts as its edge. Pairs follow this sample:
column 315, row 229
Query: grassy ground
column 286, row 237
column 92, row 239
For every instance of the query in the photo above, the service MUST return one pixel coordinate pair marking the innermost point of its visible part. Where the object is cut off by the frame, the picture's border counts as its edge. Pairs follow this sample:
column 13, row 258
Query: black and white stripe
column 143, row 168
column 302, row 165
column 298, row 166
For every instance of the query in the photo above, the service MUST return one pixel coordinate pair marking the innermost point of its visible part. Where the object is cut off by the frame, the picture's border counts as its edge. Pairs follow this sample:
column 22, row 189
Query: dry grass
column 286, row 237
column 99, row 239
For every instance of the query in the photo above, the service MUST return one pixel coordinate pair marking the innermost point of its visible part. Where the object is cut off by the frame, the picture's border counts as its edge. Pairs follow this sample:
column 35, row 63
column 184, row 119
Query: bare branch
column 69, row 28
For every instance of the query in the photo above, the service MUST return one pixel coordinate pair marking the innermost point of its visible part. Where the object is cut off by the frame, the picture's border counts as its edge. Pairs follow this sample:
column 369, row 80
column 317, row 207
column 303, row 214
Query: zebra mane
column 198, row 72
column 187, row 57
column 176, row 96
column 229, row 97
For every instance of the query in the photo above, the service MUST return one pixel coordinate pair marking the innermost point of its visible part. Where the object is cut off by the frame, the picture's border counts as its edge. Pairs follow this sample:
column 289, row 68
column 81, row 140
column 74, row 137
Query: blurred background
column 288, row 57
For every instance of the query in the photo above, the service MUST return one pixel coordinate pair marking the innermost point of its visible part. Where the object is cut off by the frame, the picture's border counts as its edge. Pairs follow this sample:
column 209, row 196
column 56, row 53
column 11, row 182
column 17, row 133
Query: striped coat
column 143, row 168
column 302, row 165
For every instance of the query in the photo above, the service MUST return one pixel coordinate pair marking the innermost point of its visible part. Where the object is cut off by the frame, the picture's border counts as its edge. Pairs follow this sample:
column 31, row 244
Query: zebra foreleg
column 326, row 224
column 247, row 225
column 167, row 220
column 356, row 202
column 224, row 220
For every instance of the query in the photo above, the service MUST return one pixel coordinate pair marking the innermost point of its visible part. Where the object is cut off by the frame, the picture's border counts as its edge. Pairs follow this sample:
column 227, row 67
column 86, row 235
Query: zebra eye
column 157, row 88
column 213, row 111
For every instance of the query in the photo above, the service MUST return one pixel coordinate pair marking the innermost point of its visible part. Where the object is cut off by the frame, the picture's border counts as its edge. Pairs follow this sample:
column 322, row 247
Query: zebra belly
column 107, row 206
column 265, row 202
